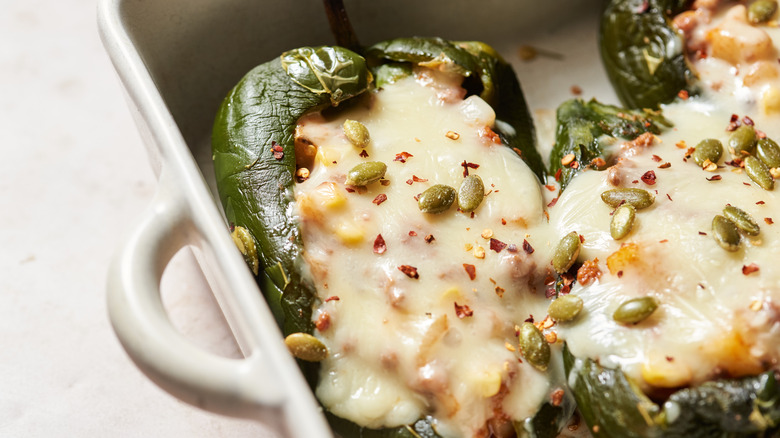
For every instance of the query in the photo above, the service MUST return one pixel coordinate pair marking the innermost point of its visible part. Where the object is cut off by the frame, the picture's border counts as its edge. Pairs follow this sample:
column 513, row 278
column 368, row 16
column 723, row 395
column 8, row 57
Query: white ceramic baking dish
column 177, row 59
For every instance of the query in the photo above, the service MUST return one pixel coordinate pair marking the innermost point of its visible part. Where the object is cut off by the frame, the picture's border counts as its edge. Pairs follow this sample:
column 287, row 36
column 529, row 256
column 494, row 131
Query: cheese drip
column 718, row 314
column 423, row 323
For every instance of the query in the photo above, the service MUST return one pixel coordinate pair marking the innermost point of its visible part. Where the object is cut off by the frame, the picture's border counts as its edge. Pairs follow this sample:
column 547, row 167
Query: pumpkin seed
column 768, row 151
column 638, row 198
column 743, row 139
column 709, row 149
column 246, row 245
column 742, row 220
column 565, row 308
column 534, row 347
column 366, row 173
column 726, row 233
column 761, row 11
column 471, row 193
column 566, row 252
column 436, row 199
column 759, row 172
column 622, row 221
column 356, row 133
column 306, row 347
column 635, row 310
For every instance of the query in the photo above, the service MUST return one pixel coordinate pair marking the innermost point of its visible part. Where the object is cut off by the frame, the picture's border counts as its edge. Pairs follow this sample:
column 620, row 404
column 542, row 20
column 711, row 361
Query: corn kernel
column 349, row 233
column 451, row 294
column 328, row 156
column 330, row 195
column 488, row 383
column 623, row 257
column 662, row 373
column 770, row 101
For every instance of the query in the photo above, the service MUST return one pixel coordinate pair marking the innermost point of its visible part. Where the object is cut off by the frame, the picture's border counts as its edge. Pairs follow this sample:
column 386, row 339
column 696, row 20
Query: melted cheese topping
column 434, row 342
column 716, row 316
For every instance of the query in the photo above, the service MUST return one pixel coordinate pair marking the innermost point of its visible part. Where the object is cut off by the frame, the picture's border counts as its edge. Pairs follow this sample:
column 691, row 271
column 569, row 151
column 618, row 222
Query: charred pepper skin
column 614, row 407
column 643, row 54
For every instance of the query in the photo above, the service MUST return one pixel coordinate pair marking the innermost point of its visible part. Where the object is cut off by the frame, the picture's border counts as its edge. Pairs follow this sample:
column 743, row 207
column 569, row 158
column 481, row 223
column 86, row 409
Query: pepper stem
column 340, row 25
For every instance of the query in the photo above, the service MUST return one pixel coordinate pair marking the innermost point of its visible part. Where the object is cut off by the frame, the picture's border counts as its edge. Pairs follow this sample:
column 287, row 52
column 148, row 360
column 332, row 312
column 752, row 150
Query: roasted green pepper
column 254, row 158
column 585, row 130
column 614, row 407
column 642, row 53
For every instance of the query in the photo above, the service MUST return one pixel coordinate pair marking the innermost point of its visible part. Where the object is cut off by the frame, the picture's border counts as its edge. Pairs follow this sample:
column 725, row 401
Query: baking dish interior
column 196, row 50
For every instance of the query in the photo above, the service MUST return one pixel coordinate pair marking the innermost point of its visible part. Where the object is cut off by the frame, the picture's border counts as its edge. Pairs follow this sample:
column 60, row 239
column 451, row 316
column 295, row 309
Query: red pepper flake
column 349, row 189
column 529, row 319
column 500, row 291
column 417, row 196
column 749, row 269
column 323, row 322
column 489, row 134
column 649, row 178
column 598, row 162
column 471, row 270
column 503, row 221
column 527, row 247
column 380, row 198
column 582, row 238
column 332, row 298
column 588, row 272
column 665, row 166
column 412, row 233
column 277, row 150
column 670, row 197
column 683, row 94
column 620, row 274
column 363, row 154
column 410, row 182
column 552, row 203
column 747, row 184
column 768, row 220
column 518, row 151
column 558, row 174
column 760, row 203
column 429, row 238
column 576, row 90
column 466, row 165
column 748, row 121
column 463, row 311
column 702, row 233
column 657, row 159
column 402, row 157
column 556, row 398
column 410, row 271
column 636, row 181
column 497, row 245
column 663, row 241
column 550, row 187
column 574, row 165
column 715, row 178
column 379, row 245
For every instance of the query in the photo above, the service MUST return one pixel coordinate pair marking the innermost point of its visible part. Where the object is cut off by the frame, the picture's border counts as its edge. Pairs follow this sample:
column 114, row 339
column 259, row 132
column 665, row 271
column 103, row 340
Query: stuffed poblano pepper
column 389, row 207
column 675, row 269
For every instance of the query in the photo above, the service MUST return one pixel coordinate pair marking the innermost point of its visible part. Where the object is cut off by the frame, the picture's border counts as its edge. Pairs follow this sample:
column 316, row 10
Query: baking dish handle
column 234, row 387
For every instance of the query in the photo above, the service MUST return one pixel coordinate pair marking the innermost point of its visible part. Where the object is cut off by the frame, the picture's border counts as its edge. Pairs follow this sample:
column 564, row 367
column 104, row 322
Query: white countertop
column 74, row 181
